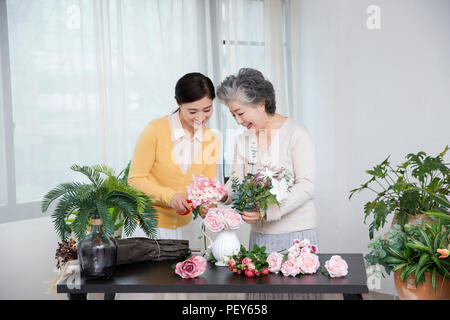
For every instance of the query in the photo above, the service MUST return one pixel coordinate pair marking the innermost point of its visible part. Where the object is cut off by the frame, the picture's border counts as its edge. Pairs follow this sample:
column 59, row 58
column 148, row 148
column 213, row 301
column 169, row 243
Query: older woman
column 280, row 142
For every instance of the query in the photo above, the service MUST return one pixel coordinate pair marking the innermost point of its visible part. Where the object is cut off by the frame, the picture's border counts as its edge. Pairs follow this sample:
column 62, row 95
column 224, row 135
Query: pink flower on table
column 305, row 250
column 246, row 261
column 295, row 241
column 294, row 252
column 275, row 260
column 192, row 267
column 336, row 267
column 290, row 268
column 314, row 249
column 251, row 266
column 309, row 263
column 214, row 220
column 304, row 243
column 233, row 219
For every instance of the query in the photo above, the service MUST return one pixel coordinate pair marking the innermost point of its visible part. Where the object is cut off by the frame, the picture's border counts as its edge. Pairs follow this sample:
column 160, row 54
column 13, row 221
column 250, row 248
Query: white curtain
column 87, row 76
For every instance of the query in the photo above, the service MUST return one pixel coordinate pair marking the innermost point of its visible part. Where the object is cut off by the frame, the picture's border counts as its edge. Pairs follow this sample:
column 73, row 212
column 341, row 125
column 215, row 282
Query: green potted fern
column 99, row 204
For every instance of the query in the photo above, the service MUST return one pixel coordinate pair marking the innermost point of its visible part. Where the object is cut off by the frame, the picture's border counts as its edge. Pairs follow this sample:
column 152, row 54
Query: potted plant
column 100, row 203
column 418, row 257
column 420, row 184
column 416, row 193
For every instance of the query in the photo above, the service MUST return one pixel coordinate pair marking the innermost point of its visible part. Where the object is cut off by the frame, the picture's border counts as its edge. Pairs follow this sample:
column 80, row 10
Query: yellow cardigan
column 155, row 171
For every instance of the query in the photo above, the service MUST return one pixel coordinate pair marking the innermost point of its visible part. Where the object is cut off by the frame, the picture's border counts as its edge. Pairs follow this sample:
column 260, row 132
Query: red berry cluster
column 251, row 263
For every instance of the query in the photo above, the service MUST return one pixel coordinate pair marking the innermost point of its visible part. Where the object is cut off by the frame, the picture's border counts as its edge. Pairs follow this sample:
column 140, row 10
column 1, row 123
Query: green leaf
column 426, row 238
column 394, row 252
column 392, row 260
column 434, row 278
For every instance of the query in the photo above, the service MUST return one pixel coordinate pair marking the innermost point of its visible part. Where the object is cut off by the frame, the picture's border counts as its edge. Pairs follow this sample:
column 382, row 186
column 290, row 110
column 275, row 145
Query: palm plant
column 106, row 197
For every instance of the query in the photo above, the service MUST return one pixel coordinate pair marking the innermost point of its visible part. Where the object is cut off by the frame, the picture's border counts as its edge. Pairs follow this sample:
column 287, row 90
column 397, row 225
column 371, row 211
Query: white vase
column 224, row 245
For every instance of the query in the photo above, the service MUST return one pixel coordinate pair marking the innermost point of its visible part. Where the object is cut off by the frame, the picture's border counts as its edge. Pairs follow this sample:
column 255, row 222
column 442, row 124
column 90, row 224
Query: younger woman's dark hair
column 192, row 87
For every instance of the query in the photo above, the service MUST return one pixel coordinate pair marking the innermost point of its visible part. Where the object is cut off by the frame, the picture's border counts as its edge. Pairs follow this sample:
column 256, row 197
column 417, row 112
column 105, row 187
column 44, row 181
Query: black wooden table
column 159, row 277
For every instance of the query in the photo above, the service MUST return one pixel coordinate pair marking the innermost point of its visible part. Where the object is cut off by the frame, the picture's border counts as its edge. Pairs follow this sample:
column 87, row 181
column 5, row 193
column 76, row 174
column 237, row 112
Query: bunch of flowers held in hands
column 250, row 263
column 218, row 219
column 269, row 186
column 202, row 191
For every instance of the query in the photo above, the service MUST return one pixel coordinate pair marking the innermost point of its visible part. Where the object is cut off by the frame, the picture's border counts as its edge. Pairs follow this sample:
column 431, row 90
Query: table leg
column 77, row 296
column 110, row 296
column 351, row 296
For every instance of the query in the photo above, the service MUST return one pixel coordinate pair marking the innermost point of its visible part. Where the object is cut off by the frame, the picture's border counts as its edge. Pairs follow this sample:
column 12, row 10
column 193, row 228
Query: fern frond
column 90, row 173
column 57, row 192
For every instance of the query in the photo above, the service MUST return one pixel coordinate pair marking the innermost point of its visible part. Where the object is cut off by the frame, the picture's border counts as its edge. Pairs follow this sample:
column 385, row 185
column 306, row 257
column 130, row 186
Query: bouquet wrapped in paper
column 268, row 186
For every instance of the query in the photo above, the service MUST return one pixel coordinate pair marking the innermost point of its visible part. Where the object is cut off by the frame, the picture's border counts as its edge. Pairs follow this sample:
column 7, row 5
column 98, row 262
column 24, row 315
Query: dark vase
column 97, row 253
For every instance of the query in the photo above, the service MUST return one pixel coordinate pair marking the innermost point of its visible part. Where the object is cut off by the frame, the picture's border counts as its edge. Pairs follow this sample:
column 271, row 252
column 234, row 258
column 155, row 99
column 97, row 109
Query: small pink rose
column 295, row 241
column 290, row 268
column 275, row 259
column 192, row 267
column 336, row 267
column 294, row 252
column 305, row 250
column 246, row 261
column 309, row 263
column 214, row 220
column 304, row 243
column 314, row 249
column 233, row 219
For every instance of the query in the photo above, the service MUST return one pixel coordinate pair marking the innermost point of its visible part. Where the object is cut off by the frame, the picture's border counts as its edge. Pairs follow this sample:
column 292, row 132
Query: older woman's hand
column 250, row 217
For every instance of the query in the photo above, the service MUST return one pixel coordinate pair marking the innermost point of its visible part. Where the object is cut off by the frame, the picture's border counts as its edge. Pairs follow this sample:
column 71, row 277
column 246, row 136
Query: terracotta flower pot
column 407, row 289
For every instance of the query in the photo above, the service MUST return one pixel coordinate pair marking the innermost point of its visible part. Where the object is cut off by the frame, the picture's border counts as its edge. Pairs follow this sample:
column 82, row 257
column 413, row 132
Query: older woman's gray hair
column 249, row 87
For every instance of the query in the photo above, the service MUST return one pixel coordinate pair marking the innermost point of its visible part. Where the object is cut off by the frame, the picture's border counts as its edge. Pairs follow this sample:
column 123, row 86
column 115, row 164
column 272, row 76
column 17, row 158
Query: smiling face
column 251, row 117
column 197, row 113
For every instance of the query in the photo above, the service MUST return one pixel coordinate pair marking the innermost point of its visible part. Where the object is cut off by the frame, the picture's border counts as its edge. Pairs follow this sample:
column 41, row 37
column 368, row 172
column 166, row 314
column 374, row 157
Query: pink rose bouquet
column 191, row 267
column 301, row 258
column 202, row 191
column 218, row 219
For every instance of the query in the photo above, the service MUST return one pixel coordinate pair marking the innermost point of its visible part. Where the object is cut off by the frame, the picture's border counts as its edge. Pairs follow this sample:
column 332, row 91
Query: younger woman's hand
column 179, row 203
column 204, row 210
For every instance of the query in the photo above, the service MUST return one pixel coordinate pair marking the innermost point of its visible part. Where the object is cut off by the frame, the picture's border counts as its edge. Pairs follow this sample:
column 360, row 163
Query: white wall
column 367, row 94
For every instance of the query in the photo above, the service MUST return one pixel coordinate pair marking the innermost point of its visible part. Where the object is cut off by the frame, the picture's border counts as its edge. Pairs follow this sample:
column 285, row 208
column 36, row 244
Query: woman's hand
column 250, row 217
column 204, row 210
column 179, row 203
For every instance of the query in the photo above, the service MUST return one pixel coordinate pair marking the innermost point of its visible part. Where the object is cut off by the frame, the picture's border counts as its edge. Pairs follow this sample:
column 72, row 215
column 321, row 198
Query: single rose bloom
column 232, row 262
column 232, row 218
column 290, row 268
column 336, row 267
column 246, row 261
column 294, row 252
column 275, row 259
column 249, row 273
column 214, row 221
column 304, row 243
column 309, row 263
column 265, row 271
column 192, row 267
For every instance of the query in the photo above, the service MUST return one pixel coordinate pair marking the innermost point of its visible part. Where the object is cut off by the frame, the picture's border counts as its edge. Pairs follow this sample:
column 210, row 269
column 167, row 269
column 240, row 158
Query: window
column 243, row 46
